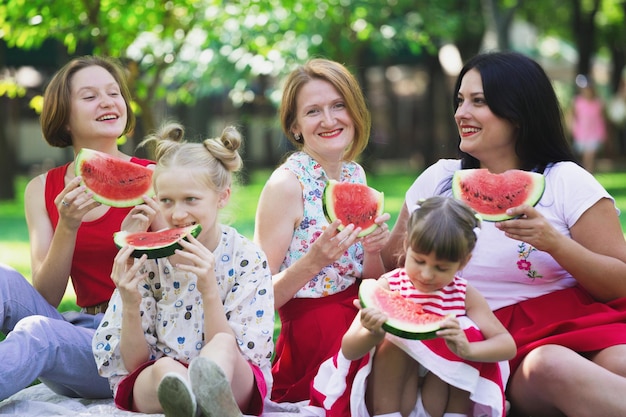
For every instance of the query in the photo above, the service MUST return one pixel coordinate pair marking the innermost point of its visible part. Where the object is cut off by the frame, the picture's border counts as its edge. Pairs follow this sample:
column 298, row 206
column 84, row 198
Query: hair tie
column 417, row 205
column 479, row 222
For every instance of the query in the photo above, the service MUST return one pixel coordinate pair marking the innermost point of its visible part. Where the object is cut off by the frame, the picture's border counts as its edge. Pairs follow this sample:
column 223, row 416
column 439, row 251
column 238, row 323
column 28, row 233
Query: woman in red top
column 86, row 105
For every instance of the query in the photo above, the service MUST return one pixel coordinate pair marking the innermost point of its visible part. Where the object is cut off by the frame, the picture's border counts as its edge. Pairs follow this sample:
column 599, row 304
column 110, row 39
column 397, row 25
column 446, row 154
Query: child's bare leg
column 393, row 382
column 145, row 397
column 435, row 395
column 459, row 402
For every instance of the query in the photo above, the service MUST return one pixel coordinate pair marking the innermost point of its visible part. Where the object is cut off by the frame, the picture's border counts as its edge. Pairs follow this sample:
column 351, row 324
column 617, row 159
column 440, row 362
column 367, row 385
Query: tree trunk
column 584, row 30
column 8, row 157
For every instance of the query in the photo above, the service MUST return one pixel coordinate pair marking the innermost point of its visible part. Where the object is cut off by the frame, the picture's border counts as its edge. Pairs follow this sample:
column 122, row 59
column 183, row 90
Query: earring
column 297, row 137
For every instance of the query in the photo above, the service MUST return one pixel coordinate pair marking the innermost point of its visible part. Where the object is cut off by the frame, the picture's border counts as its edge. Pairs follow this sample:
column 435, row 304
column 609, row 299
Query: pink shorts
column 124, row 393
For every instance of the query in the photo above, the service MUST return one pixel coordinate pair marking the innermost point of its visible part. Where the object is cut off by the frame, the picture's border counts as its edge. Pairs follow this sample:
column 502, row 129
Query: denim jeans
column 43, row 343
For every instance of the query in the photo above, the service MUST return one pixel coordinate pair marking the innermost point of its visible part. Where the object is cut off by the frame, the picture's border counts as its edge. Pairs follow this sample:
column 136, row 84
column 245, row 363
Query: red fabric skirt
column 569, row 317
column 311, row 332
column 123, row 397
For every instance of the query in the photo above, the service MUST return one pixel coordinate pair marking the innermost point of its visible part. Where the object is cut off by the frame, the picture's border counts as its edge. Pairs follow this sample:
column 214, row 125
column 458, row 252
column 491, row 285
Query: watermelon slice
column 490, row 195
column 407, row 319
column 113, row 181
column 353, row 203
column 159, row 244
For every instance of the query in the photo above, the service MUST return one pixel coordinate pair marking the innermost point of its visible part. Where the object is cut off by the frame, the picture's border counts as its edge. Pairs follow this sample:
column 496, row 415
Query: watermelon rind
column 163, row 250
column 401, row 328
column 484, row 191
column 136, row 183
column 328, row 203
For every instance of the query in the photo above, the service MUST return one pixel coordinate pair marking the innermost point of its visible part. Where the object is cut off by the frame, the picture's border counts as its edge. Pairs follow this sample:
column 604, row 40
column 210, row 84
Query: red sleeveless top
column 95, row 250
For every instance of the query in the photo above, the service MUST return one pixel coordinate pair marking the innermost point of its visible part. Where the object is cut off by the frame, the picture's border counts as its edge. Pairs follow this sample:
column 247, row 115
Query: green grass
column 14, row 249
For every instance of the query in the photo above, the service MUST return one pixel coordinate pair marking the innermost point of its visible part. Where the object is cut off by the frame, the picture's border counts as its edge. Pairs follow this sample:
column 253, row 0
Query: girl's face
column 98, row 109
column 484, row 135
column 185, row 200
column 429, row 274
column 322, row 119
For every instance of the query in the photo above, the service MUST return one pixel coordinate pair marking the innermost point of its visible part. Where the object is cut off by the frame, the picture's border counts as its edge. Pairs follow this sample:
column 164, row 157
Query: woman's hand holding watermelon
column 531, row 227
column 332, row 243
column 73, row 203
column 377, row 240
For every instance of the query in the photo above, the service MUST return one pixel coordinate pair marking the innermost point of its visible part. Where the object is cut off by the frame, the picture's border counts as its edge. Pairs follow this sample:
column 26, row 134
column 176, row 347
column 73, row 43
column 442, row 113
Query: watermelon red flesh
column 406, row 318
column 353, row 203
column 113, row 181
column 155, row 244
column 491, row 195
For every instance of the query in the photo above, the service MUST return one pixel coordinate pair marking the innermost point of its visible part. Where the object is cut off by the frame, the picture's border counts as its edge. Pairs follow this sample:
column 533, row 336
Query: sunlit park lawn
column 14, row 249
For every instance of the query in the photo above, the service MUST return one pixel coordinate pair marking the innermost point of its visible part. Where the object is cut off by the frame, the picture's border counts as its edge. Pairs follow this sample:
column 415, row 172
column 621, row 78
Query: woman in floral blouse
column 317, row 268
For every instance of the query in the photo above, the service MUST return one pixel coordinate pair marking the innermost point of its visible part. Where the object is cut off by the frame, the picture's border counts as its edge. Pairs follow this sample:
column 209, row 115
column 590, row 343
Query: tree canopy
column 178, row 51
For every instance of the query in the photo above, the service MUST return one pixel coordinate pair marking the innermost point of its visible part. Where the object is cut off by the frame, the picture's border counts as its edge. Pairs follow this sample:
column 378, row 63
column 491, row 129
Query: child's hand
column 373, row 319
column 126, row 275
column 200, row 261
column 377, row 240
column 455, row 337
column 142, row 216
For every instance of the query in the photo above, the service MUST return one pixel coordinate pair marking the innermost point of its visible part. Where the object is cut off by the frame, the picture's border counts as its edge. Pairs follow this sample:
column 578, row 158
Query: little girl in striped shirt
column 462, row 372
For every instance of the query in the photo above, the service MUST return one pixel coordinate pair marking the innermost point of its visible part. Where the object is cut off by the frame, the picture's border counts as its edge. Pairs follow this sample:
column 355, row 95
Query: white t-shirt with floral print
column 344, row 272
column 172, row 313
column 507, row 271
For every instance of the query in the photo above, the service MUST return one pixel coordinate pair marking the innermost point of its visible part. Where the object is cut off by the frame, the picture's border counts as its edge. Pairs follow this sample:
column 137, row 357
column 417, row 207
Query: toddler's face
column 427, row 273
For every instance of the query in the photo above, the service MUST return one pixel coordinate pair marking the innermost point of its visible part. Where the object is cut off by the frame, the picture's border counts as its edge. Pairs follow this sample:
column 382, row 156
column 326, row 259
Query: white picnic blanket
column 40, row 401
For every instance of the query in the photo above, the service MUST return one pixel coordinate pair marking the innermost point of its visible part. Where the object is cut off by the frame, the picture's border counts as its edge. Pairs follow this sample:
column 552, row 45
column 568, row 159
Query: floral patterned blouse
column 344, row 272
column 507, row 271
column 172, row 313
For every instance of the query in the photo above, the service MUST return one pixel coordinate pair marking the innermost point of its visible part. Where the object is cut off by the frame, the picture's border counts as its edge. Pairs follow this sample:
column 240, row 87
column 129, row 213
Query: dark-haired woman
column 556, row 274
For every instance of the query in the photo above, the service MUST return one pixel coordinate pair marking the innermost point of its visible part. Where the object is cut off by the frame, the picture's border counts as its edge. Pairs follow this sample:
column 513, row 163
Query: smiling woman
column 86, row 104
column 566, row 254
column 316, row 265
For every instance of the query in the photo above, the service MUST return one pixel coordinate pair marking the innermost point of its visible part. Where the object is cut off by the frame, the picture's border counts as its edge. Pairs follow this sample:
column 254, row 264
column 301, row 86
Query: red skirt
column 311, row 332
column 123, row 397
column 569, row 317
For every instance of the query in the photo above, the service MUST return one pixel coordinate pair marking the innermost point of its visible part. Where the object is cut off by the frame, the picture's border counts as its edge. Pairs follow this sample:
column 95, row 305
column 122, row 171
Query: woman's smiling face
column 483, row 134
column 323, row 121
column 98, row 107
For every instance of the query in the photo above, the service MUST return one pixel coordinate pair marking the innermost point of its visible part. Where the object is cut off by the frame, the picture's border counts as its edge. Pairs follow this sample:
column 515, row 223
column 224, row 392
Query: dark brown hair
column 445, row 226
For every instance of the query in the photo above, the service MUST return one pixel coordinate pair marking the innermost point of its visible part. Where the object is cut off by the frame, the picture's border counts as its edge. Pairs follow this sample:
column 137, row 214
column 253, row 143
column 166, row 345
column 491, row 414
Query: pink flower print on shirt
column 523, row 264
column 523, row 252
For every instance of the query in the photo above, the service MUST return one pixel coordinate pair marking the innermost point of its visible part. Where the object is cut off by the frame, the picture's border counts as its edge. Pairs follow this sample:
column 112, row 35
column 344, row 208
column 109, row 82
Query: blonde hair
column 216, row 159
column 445, row 226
